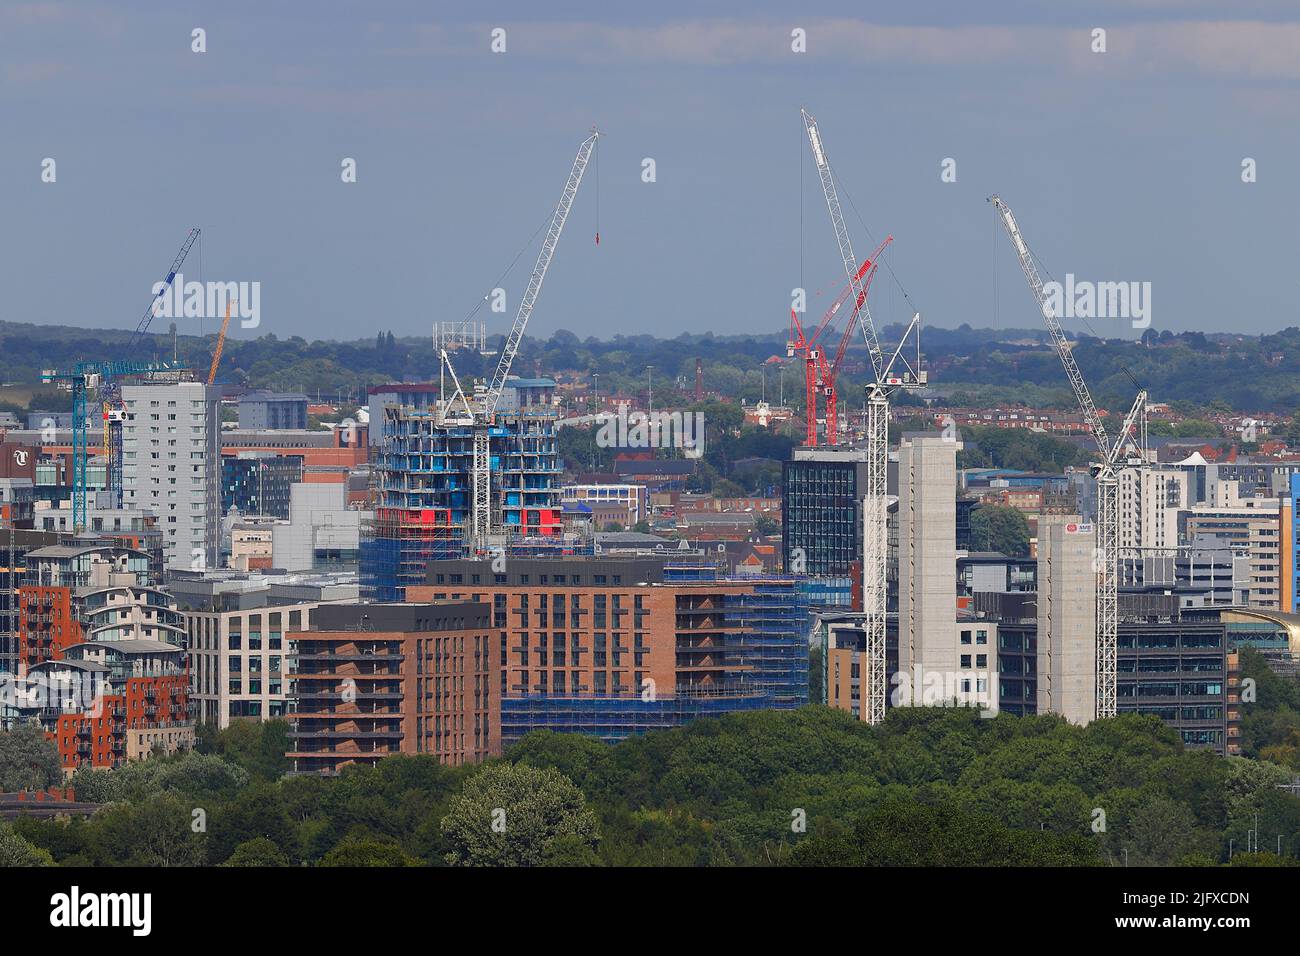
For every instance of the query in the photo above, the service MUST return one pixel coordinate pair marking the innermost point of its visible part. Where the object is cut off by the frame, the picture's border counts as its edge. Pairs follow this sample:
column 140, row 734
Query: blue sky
column 1122, row 166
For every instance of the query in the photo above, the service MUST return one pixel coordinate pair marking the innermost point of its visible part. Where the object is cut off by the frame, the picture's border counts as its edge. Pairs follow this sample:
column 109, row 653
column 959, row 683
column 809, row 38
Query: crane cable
column 1123, row 366
column 872, row 237
column 801, row 204
column 513, row 262
column 546, row 220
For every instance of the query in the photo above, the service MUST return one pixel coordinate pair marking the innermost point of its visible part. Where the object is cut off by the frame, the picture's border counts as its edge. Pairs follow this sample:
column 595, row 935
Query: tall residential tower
column 171, row 466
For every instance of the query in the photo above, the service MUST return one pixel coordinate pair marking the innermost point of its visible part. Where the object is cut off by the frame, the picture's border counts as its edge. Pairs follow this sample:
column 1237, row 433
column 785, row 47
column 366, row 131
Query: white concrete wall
column 927, row 554
column 1067, row 618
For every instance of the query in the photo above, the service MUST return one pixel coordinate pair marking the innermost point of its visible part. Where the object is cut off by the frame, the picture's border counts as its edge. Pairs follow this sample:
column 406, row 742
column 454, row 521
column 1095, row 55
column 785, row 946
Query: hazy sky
column 1122, row 166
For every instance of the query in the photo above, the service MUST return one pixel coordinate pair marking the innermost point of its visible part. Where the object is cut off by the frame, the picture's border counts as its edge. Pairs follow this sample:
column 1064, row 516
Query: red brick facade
column 46, row 624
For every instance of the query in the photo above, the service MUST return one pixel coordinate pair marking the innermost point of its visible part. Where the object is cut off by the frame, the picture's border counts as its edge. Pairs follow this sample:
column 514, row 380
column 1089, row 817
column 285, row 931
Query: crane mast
column 220, row 346
column 84, row 379
column 1106, row 473
column 110, row 391
column 827, row 373
column 486, row 405
column 885, row 381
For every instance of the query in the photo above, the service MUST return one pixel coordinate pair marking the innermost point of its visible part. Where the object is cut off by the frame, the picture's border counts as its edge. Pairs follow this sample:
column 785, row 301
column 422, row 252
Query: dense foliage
column 1019, row 448
column 28, row 760
column 996, row 528
column 1270, row 726
column 808, row 787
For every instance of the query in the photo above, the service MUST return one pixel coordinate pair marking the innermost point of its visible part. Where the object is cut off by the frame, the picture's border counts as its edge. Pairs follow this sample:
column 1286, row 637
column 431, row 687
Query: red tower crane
column 827, row 374
column 818, row 375
column 797, row 345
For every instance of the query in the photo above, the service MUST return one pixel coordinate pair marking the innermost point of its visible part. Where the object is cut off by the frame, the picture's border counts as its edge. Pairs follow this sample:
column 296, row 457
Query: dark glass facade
column 821, row 513
column 259, row 486
column 1176, row 671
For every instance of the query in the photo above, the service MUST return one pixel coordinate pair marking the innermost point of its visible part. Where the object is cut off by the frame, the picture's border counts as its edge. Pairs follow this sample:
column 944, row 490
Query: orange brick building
column 614, row 646
column 105, row 650
column 47, row 624
column 378, row 679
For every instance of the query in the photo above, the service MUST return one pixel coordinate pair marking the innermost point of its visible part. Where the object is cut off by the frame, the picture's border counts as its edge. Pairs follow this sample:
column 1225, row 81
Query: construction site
column 471, row 471
column 645, row 454
column 469, row 466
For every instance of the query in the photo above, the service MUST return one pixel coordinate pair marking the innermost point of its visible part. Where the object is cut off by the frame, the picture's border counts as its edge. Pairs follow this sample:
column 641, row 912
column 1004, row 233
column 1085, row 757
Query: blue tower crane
column 86, row 378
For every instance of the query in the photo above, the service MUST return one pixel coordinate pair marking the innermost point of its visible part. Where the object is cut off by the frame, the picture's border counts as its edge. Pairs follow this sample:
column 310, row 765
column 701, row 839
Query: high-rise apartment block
column 1150, row 500
column 107, row 648
column 171, row 466
column 424, row 477
column 821, row 511
column 930, row 645
column 1252, row 526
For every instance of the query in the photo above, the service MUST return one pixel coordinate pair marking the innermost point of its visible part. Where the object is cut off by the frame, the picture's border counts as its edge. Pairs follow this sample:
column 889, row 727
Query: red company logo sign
column 1076, row 527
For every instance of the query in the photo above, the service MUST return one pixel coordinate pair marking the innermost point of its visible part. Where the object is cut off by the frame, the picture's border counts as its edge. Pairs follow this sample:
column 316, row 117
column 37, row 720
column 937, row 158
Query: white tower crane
column 889, row 375
column 842, row 239
column 484, row 405
column 1106, row 472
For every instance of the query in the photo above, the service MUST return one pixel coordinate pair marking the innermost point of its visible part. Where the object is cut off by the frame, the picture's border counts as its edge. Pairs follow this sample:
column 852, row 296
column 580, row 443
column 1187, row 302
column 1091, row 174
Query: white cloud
column 1248, row 49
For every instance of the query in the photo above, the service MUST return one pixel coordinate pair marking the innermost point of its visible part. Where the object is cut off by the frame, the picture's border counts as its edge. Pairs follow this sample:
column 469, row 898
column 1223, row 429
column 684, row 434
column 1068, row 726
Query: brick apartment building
column 125, row 700
column 614, row 647
column 107, row 649
column 372, row 680
column 89, row 592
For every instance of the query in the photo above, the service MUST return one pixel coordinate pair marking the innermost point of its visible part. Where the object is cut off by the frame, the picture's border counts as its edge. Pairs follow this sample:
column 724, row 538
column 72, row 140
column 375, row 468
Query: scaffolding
column 398, row 544
column 613, row 719
column 464, row 334
column 770, row 638
column 745, row 649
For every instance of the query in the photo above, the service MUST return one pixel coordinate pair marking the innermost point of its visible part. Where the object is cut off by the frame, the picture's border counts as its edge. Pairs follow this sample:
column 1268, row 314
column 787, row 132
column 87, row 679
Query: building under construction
column 424, row 474
column 612, row 647
column 470, row 470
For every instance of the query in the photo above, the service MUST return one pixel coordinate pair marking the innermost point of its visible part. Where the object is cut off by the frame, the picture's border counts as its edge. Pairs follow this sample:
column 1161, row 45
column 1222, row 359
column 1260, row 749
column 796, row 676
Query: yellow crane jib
column 221, row 344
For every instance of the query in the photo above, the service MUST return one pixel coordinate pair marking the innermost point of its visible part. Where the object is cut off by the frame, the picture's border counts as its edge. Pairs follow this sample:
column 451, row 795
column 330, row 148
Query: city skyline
column 469, row 490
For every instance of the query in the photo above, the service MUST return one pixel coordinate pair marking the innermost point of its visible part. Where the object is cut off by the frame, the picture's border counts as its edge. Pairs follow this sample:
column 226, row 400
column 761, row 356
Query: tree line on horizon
column 1250, row 373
